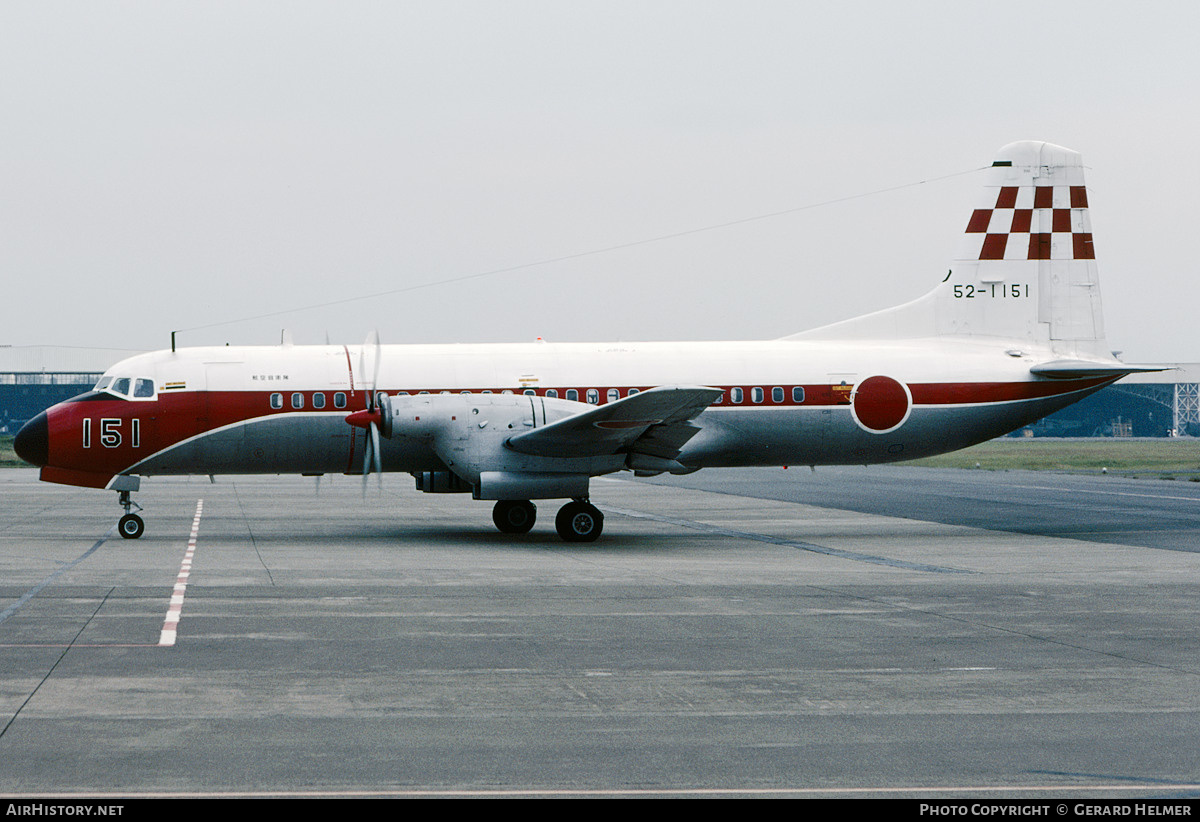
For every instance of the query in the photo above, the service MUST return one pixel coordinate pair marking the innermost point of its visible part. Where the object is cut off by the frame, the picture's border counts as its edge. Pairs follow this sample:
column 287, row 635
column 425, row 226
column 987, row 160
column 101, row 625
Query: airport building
column 35, row 377
column 1164, row 404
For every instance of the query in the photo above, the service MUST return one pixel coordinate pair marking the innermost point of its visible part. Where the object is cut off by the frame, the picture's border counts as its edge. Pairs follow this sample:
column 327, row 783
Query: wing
column 656, row 423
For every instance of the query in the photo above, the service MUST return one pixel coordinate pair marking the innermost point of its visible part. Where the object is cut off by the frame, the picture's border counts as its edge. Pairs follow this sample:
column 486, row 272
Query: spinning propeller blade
column 372, row 459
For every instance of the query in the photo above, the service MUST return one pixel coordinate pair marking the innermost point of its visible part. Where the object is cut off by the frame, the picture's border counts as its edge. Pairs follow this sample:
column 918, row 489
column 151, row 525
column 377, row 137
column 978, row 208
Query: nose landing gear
column 131, row 525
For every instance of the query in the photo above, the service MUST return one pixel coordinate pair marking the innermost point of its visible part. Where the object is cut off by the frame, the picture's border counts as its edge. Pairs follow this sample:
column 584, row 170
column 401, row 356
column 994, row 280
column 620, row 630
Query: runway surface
column 889, row 631
column 1151, row 513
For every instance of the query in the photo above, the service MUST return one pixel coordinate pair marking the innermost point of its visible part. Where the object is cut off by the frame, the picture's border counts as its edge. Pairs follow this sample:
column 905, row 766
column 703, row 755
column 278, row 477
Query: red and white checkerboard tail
column 1025, row 273
column 1026, row 269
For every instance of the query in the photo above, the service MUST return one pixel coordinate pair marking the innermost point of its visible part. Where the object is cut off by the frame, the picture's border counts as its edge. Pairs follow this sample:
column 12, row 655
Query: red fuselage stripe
column 964, row 393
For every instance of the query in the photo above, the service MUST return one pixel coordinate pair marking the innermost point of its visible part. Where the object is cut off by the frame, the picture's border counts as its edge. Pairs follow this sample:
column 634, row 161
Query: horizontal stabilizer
column 1083, row 369
column 659, row 416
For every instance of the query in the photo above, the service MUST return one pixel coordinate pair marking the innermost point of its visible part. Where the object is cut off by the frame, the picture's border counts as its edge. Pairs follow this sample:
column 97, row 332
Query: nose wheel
column 131, row 525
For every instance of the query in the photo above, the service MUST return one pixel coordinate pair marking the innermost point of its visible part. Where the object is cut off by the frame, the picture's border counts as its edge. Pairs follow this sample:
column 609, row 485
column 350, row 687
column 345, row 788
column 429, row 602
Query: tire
column 579, row 522
column 131, row 526
column 514, row 516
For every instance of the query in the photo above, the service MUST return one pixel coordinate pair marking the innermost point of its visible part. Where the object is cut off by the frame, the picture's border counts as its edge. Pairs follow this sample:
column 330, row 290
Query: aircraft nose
column 32, row 442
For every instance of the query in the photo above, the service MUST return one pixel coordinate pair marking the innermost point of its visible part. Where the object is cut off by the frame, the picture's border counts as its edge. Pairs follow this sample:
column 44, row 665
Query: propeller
column 371, row 417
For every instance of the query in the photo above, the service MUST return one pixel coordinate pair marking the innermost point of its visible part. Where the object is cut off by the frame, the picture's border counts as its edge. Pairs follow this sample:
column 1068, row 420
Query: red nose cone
column 32, row 442
column 363, row 419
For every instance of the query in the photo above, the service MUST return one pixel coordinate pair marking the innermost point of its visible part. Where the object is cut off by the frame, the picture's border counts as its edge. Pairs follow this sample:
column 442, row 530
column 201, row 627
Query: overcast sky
column 169, row 165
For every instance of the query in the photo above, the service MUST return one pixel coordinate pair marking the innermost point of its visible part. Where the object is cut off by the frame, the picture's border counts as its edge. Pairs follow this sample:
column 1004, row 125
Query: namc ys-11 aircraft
column 1012, row 333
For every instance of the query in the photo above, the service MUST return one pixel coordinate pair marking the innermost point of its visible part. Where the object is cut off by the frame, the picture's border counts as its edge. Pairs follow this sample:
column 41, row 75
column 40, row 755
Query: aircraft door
column 222, row 450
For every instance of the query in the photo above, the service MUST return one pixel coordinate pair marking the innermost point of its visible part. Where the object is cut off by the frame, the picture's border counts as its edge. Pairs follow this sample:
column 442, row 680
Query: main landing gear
column 514, row 516
column 130, row 525
column 577, row 521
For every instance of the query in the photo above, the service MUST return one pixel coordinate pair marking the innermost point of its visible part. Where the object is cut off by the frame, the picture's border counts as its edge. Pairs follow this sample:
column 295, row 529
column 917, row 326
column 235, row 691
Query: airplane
column 1013, row 332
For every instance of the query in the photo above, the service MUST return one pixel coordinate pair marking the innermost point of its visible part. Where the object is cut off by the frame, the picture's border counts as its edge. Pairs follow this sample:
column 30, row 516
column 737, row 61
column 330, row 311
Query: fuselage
column 283, row 409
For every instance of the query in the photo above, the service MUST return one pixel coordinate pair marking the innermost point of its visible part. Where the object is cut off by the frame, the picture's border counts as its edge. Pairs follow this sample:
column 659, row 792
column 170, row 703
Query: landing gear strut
column 514, row 516
column 579, row 521
column 130, row 525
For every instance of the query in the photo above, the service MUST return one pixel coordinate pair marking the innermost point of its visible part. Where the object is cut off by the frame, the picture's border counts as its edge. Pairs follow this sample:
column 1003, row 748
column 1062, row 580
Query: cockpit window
column 134, row 388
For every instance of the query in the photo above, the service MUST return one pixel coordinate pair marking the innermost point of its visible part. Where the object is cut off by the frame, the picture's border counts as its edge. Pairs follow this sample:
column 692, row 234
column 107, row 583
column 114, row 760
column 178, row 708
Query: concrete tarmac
column 731, row 640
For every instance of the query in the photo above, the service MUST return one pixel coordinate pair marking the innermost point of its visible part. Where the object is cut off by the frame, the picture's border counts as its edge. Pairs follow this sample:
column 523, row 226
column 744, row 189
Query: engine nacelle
column 514, row 486
column 468, row 433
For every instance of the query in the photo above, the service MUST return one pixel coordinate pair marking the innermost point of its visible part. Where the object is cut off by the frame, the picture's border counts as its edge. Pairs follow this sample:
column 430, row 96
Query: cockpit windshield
column 137, row 388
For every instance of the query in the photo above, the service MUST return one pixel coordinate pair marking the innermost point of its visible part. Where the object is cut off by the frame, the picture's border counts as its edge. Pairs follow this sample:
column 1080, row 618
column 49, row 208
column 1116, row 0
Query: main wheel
column 514, row 516
column 579, row 522
column 131, row 526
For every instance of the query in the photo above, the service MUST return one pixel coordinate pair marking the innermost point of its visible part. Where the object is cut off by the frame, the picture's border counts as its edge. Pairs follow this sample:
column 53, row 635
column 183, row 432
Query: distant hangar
column 1163, row 404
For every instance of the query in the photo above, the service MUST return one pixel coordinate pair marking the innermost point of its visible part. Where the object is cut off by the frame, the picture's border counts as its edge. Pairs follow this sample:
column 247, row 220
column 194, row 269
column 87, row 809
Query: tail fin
column 1026, row 269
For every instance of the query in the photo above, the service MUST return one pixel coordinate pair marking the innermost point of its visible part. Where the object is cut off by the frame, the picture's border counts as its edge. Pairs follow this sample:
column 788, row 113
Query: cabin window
column 529, row 392
column 777, row 394
column 735, row 395
column 277, row 401
column 798, row 394
column 551, row 392
column 614, row 394
column 318, row 400
column 593, row 396
column 297, row 400
column 756, row 394
column 339, row 399
column 572, row 395
column 633, row 391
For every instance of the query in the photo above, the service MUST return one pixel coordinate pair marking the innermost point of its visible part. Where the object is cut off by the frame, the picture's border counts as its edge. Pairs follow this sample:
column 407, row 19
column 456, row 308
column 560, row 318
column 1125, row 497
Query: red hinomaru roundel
column 880, row 404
